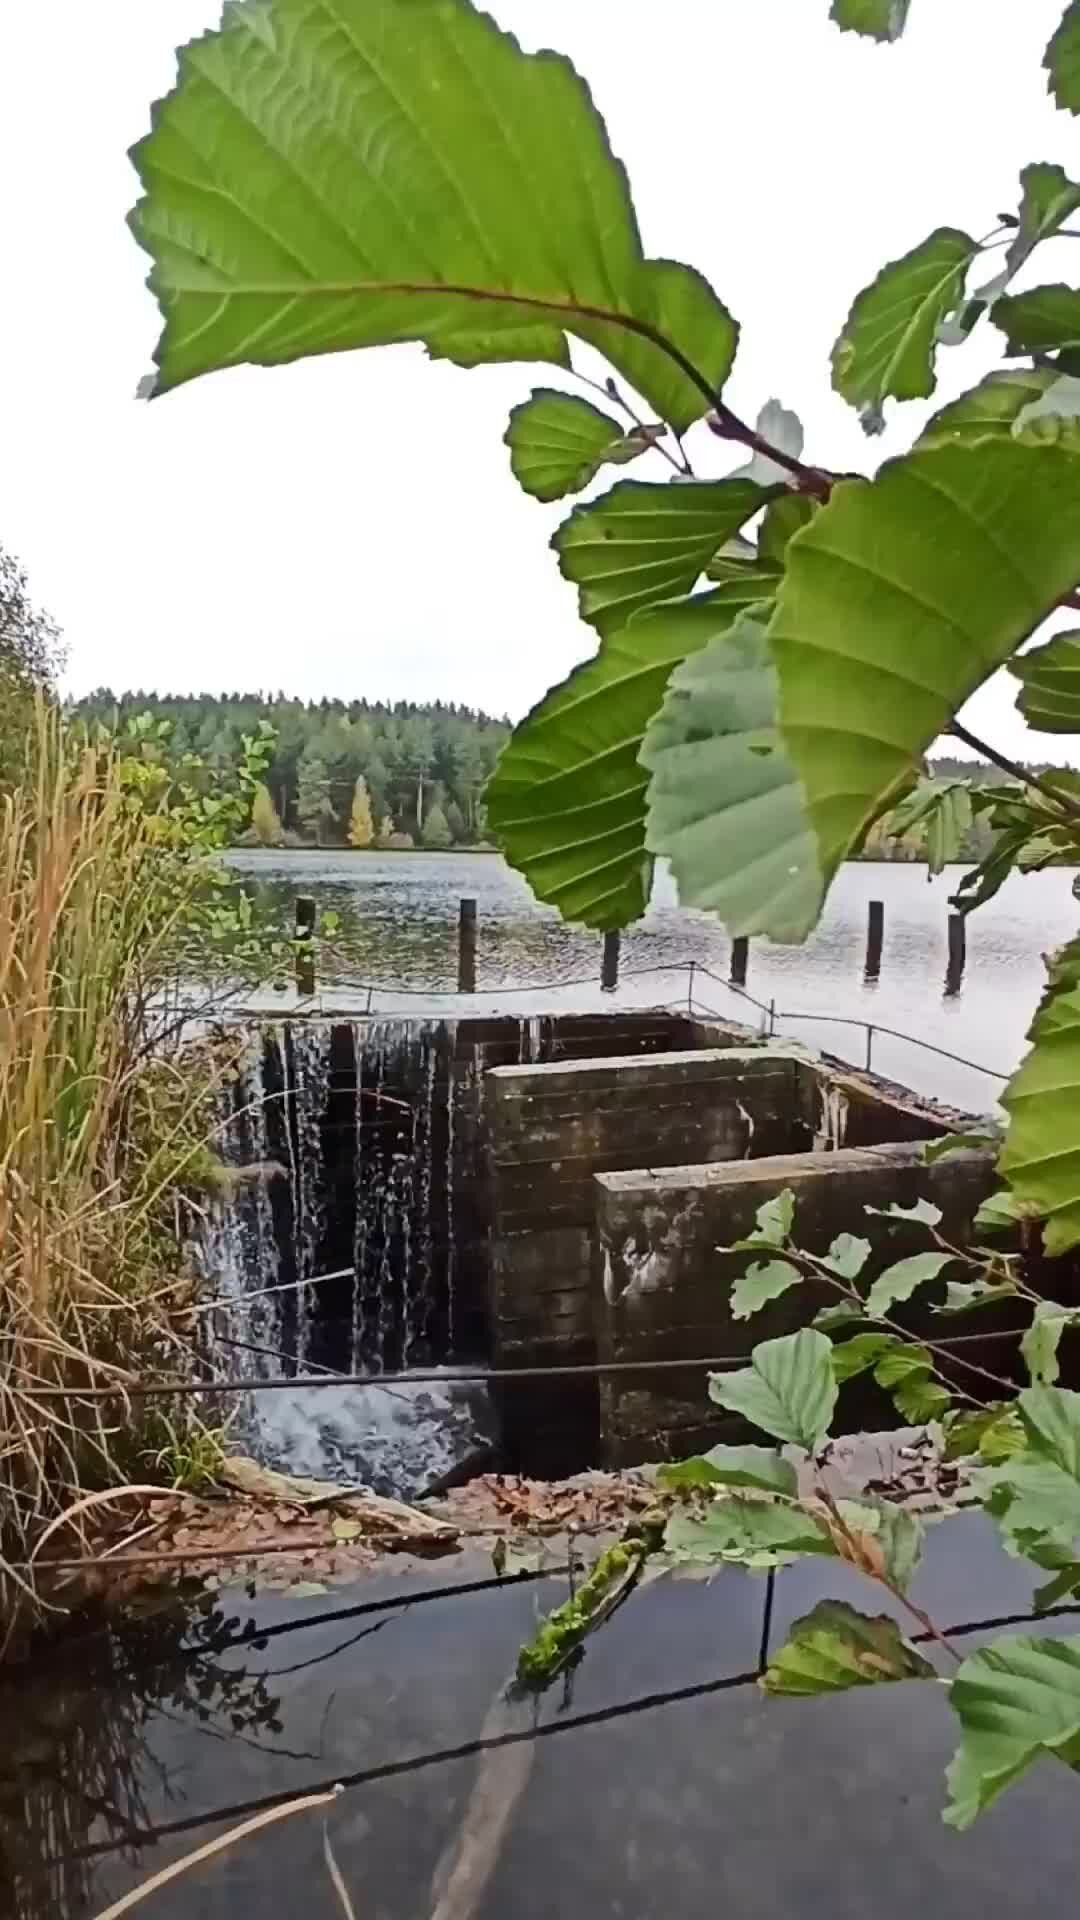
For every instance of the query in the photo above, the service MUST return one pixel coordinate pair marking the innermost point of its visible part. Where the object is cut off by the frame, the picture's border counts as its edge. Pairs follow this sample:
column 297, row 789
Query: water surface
column 396, row 951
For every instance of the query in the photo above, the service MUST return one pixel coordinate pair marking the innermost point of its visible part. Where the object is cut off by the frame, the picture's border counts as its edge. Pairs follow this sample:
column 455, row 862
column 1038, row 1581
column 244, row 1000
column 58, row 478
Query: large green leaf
column 1043, row 320
column 788, row 1389
column 836, row 1647
column 1015, row 1699
column 1063, row 60
column 886, row 349
column 559, row 442
column 762, row 1467
column 878, row 19
column 755, row 1533
column 1041, row 1156
column 858, row 1355
column 567, row 798
column 1051, row 1417
column 644, row 542
column 1050, row 676
column 332, row 174
column 901, row 597
column 991, row 409
column 725, row 807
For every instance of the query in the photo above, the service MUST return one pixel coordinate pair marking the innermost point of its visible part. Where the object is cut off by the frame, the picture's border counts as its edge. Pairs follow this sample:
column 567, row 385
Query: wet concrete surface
column 124, row 1753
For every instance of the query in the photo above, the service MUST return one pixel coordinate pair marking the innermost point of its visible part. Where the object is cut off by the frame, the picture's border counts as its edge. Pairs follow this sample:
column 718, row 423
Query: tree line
column 341, row 773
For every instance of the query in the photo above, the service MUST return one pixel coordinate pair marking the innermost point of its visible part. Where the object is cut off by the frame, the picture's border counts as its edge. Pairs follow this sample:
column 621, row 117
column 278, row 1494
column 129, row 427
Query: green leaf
column 921, row 1210
column 886, row 349
column 1061, row 1587
column 369, row 171
column 989, row 410
column 1051, row 1417
column 782, row 521
column 962, row 1296
column 836, row 1647
column 567, row 798
column 904, row 1360
column 1015, row 1699
column 899, row 1282
column 847, row 1256
column 644, row 542
column 1000, row 1213
column 1053, row 418
column 762, row 1467
column 759, row 1285
column 1063, row 60
column 860, row 1354
column 994, row 1433
column 878, row 19
column 1035, row 1503
column 788, row 1389
column 839, row 1318
column 1048, row 198
column 940, row 813
column 776, row 1217
column 899, row 599
column 558, row 443
column 724, row 805
column 755, row 1533
column 1042, row 320
column 1041, row 1156
column 1040, row 1343
column 932, row 1151
column 1050, row 677
column 907, row 1373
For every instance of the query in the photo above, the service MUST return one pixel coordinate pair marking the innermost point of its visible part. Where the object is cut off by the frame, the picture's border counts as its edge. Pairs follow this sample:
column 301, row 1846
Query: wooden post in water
column 609, row 965
column 740, row 960
column 954, row 977
column 466, row 952
column 875, row 936
column 305, row 949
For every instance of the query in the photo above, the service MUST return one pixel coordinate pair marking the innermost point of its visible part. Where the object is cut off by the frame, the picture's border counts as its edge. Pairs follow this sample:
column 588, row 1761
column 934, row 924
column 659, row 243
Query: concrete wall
column 661, row 1288
column 550, row 1130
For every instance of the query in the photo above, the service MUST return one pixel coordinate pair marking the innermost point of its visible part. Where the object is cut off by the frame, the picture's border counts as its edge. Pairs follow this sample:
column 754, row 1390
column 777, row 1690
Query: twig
column 727, row 426
column 1026, row 778
column 173, row 1872
column 858, row 1560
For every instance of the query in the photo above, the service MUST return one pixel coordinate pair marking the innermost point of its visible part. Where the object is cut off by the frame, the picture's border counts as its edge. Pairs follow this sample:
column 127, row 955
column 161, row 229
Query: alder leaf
column 361, row 172
column 835, row 1647
column 788, row 1389
column 886, row 348
column 559, row 442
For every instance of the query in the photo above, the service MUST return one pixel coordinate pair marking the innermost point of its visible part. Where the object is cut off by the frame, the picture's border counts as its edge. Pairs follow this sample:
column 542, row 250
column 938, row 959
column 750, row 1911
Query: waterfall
column 362, row 1145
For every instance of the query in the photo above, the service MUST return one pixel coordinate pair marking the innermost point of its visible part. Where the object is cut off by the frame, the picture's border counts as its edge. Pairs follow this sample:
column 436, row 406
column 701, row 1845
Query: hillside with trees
column 342, row 773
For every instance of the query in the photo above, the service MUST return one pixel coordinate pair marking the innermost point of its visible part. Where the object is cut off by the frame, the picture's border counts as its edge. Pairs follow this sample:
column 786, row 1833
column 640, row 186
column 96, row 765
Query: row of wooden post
column 609, row 964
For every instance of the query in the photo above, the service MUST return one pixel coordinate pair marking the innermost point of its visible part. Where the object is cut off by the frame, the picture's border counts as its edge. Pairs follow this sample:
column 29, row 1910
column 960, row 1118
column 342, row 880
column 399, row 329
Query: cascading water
column 356, row 1152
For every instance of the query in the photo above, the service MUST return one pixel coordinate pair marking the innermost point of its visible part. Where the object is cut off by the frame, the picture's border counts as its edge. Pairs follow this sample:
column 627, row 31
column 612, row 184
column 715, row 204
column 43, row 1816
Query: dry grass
column 99, row 1131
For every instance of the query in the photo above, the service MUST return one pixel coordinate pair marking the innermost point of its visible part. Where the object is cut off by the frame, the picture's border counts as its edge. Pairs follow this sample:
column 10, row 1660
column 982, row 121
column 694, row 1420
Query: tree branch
column 1065, row 801
column 727, row 426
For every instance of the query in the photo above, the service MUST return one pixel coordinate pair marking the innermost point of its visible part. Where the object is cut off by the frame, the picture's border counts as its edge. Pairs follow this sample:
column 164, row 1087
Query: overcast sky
column 350, row 526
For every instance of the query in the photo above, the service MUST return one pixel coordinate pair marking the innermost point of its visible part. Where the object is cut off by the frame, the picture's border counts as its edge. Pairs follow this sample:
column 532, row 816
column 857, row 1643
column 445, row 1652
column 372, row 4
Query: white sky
column 350, row 526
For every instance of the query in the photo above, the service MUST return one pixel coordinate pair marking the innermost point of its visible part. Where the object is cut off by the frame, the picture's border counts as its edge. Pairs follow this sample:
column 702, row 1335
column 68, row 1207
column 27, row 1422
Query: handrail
column 693, row 968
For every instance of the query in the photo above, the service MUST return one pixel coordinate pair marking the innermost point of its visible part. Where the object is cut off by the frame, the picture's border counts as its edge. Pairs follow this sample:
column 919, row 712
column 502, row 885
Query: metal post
column 466, row 964
column 869, row 1047
column 772, row 1019
column 954, row 977
column 875, row 934
column 305, row 945
column 740, row 960
column 609, row 966
column 690, row 989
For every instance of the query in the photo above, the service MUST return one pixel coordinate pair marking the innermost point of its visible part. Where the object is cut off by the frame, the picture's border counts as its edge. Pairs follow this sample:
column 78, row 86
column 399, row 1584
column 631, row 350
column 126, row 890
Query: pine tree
column 361, row 825
column 265, row 819
column 436, row 830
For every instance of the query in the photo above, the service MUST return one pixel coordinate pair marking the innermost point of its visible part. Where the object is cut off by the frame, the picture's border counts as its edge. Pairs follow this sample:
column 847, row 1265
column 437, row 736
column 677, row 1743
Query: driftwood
column 394, row 1522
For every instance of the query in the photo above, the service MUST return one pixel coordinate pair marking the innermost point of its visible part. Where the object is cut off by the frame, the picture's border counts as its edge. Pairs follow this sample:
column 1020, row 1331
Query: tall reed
column 99, row 1129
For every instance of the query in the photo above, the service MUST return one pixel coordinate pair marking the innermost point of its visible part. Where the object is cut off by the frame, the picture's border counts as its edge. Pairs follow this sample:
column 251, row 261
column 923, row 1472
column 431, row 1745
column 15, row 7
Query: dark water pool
column 665, row 1784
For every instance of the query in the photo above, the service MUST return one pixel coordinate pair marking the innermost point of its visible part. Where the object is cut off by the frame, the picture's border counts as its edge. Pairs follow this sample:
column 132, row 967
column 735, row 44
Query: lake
column 397, row 949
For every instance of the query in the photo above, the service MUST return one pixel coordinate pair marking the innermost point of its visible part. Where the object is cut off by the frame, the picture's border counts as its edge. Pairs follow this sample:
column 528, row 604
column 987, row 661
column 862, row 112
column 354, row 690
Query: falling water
column 359, row 1141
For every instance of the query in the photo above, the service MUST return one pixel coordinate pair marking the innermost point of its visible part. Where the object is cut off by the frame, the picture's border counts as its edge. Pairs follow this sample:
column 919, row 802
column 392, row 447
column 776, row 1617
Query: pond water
column 399, row 930
column 662, row 1783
